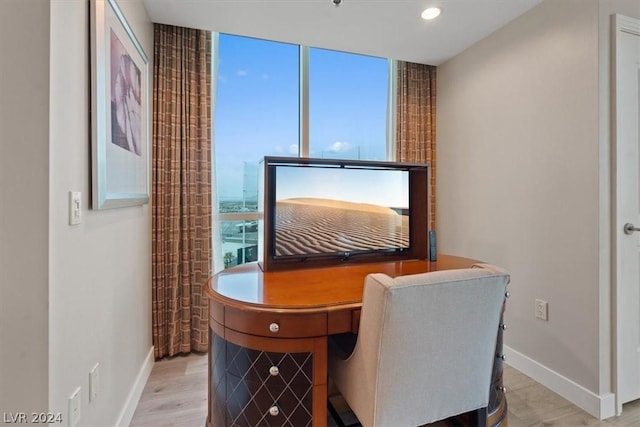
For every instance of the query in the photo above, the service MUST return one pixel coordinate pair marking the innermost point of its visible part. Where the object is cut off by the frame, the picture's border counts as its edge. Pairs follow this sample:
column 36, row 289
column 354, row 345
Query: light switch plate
column 75, row 207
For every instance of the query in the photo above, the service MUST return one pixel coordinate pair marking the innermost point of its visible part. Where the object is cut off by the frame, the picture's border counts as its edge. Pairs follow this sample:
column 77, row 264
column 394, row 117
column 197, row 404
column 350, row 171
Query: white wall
column 518, row 185
column 100, row 270
column 70, row 297
column 24, row 204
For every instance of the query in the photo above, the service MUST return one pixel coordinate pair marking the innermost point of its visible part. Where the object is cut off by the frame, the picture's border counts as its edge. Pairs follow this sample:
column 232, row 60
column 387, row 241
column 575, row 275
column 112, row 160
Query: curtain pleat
column 181, row 189
column 416, row 120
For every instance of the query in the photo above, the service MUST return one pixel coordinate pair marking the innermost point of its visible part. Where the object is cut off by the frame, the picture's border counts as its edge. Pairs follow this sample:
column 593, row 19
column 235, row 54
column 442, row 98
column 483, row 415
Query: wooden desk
column 268, row 339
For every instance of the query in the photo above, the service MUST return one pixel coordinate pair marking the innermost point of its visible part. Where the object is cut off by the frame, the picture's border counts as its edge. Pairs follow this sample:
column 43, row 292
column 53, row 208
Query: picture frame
column 119, row 110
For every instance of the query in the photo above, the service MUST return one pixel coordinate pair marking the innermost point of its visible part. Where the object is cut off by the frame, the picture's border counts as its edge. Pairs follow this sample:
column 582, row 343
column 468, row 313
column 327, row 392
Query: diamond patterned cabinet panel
column 217, row 385
column 248, row 391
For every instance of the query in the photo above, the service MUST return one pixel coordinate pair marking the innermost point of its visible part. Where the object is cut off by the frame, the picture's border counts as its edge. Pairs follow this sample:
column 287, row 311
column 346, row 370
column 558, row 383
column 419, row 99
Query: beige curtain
column 181, row 202
column 416, row 120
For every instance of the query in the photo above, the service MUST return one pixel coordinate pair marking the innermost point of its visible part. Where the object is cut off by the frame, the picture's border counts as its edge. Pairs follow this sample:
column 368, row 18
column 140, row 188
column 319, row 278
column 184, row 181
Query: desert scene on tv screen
column 328, row 211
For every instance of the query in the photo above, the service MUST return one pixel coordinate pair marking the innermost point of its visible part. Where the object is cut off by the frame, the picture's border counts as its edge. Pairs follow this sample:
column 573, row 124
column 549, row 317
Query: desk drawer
column 270, row 368
column 252, row 403
column 276, row 325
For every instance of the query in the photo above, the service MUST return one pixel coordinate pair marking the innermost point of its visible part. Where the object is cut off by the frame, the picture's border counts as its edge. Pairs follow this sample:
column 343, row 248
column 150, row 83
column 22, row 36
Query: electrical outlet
column 74, row 408
column 542, row 310
column 94, row 381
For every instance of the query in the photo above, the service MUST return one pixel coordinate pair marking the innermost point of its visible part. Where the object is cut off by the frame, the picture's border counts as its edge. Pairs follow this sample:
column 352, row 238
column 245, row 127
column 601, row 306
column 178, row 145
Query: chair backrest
column 426, row 344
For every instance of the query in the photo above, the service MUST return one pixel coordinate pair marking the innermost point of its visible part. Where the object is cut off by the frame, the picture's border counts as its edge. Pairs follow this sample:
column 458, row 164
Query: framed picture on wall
column 119, row 110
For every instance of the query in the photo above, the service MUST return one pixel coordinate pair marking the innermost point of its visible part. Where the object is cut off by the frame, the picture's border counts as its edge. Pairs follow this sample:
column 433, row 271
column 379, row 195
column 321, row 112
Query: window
column 347, row 105
column 256, row 114
column 259, row 109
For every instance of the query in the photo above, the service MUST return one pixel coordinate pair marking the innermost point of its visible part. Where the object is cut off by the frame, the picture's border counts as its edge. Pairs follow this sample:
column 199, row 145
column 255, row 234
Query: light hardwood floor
column 176, row 395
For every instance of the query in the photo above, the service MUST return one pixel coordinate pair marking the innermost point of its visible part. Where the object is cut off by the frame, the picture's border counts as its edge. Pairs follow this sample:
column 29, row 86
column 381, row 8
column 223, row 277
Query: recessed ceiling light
column 431, row 13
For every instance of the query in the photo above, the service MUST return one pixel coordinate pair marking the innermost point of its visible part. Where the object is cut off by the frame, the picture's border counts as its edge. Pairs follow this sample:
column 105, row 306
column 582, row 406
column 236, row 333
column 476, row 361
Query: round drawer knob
column 503, row 356
column 274, row 327
column 273, row 411
column 502, row 389
column 274, row 371
column 507, row 294
column 503, row 326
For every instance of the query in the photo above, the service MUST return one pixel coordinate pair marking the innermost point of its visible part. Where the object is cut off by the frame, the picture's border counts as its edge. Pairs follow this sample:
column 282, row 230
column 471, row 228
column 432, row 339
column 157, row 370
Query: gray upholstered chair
column 425, row 347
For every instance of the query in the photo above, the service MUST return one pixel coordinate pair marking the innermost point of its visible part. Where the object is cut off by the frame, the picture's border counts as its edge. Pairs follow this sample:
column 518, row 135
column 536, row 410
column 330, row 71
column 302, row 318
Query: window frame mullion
column 392, row 103
column 303, row 143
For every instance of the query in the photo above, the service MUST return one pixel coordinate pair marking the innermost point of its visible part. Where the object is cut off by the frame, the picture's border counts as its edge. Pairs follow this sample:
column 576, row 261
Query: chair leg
column 334, row 414
column 478, row 417
column 342, row 419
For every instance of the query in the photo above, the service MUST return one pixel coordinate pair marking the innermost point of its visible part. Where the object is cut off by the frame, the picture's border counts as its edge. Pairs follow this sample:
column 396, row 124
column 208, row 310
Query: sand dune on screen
column 315, row 226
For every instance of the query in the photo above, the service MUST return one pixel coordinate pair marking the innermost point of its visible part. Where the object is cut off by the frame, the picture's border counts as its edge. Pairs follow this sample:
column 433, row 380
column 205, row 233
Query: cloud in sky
column 265, row 76
column 292, row 150
column 339, row 146
column 242, row 72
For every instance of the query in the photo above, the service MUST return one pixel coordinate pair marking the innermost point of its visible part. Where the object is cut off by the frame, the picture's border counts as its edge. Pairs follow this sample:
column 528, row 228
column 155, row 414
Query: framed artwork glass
column 119, row 110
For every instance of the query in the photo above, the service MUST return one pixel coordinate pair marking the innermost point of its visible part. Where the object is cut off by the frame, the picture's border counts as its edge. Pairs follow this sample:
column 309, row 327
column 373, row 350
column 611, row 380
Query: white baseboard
column 599, row 406
column 126, row 415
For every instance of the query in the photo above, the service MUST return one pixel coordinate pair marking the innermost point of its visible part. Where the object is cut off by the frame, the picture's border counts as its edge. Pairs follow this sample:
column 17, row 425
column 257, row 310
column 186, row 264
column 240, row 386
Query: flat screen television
column 325, row 211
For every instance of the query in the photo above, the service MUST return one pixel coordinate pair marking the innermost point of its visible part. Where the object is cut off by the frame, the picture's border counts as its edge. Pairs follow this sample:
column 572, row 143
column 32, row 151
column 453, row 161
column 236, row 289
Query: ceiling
column 385, row 28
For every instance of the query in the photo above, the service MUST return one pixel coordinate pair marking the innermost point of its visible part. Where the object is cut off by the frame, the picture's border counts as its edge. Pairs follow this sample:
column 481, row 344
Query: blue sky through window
column 347, row 105
column 257, row 107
